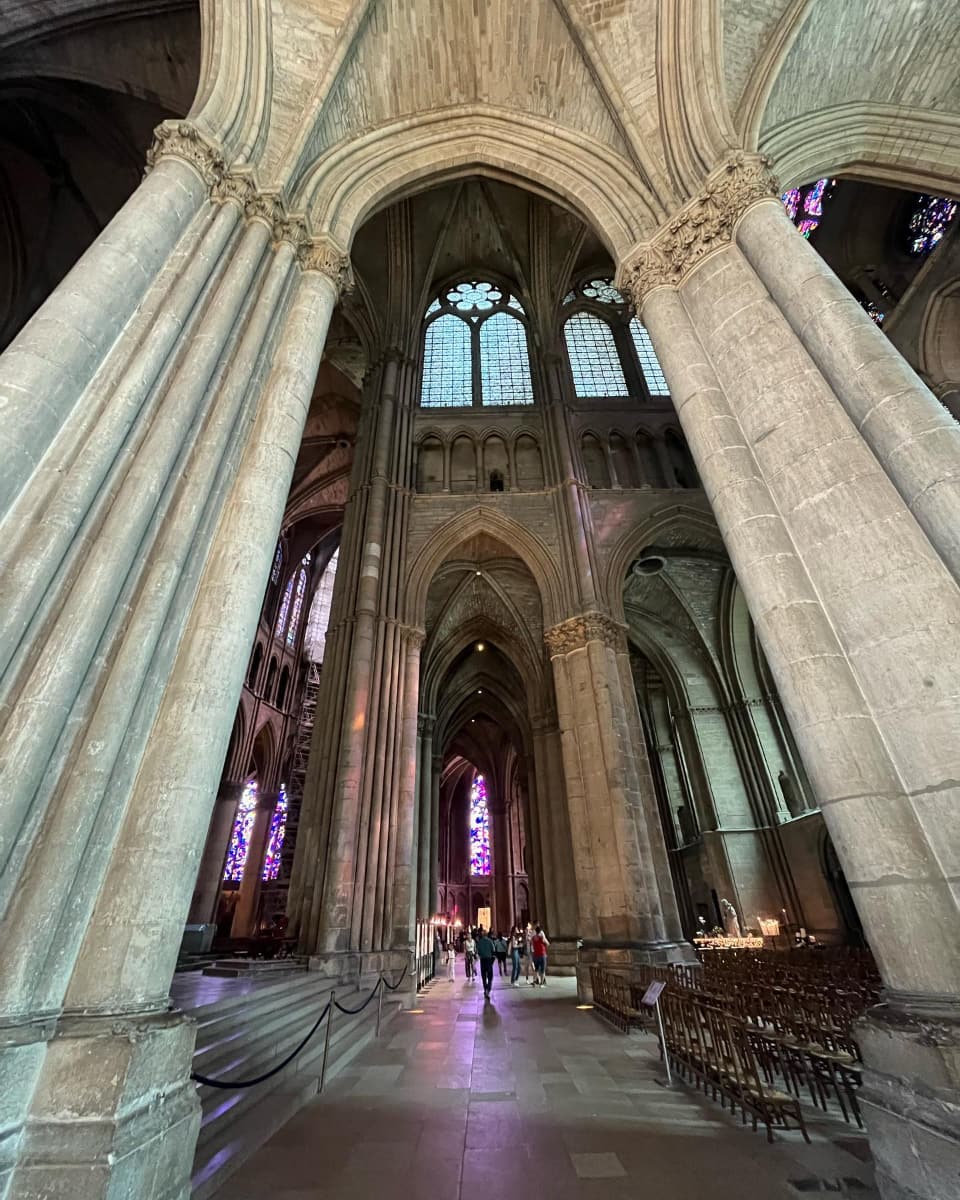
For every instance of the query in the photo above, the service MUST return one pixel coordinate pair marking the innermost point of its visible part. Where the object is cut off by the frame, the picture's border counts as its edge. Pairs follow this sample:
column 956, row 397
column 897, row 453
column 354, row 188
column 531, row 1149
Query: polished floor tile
column 527, row 1096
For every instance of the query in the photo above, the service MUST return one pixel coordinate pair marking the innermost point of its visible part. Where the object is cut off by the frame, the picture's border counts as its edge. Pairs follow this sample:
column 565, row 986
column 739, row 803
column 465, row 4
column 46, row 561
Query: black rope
column 350, row 1012
column 245, row 1083
column 392, row 987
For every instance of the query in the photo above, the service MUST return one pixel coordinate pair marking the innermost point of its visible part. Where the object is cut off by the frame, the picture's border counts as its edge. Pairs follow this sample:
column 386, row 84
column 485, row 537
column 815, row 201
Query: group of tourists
column 525, row 948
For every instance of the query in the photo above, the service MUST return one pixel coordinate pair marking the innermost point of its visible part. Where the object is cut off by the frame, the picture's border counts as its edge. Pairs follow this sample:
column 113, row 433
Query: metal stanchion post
column 326, row 1040
column 379, row 1003
column 663, row 1043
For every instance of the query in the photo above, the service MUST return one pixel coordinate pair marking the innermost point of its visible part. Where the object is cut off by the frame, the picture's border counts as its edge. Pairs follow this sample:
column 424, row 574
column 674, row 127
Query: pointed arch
column 673, row 524
column 523, row 545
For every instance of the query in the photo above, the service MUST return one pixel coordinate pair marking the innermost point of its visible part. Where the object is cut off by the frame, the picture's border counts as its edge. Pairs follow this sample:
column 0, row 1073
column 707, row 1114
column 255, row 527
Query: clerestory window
column 475, row 349
column 610, row 352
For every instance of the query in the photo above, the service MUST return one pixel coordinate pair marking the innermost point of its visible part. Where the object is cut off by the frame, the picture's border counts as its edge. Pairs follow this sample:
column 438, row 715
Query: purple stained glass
column 242, row 829
column 807, row 225
column 813, row 201
column 791, row 202
column 297, row 607
column 928, row 222
column 278, row 827
column 479, row 828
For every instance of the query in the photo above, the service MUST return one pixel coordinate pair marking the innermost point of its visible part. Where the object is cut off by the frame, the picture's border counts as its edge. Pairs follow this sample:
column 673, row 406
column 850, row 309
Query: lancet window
column 610, row 351
column 479, row 828
column 278, row 827
column 475, row 348
column 315, row 639
column 240, row 837
column 291, row 606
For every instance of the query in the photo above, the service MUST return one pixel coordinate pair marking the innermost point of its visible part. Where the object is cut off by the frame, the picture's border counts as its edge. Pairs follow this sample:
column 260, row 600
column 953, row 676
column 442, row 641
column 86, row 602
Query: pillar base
column 114, row 1114
column 911, row 1096
column 624, row 956
column 361, row 970
column 562, row 956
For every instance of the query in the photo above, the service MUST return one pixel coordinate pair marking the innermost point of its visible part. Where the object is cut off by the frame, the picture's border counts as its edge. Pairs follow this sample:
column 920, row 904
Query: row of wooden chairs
column 720, row 1055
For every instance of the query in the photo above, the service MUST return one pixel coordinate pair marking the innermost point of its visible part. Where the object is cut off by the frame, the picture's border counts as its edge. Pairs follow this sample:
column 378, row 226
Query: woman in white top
column 470, row 956
column 451, row 962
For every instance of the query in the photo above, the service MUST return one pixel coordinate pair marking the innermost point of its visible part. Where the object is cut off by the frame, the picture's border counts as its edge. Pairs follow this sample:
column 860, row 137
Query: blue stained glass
column 594, row 360
column 277, row 564
column 294, row 625
column 242, row 829
column 447, row 364
column 284, row 608
column 278, row 827
column 650, row 364
column 479, row 828
column 504, row 362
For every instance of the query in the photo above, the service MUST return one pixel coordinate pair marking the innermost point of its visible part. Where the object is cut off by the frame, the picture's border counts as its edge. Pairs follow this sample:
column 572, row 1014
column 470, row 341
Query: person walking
column 528, row 954
column 451, row 962
column 538, row 945
column 516, row 954
column 486, row 952
column 469, row 956
column 500, row 946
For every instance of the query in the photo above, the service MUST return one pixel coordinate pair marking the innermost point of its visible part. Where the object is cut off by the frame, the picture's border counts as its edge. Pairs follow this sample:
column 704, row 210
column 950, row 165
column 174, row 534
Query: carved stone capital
column 425, row 725
column 324, row 255
column 702, row 225
column 412, row 637
column 181, row 139
column 576, row 632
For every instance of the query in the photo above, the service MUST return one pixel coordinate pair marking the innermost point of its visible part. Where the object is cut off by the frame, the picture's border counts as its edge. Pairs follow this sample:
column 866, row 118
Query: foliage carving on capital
column 705, row 223
column 576, row 632
column 181, row 139
column 324, row 255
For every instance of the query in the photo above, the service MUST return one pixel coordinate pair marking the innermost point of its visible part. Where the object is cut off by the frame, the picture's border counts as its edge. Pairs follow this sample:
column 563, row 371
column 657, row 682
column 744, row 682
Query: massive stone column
column 914, row 437
column 426, row 904
column 352, row 884
column 156, row 512
column 611, row 803
column 860, row 622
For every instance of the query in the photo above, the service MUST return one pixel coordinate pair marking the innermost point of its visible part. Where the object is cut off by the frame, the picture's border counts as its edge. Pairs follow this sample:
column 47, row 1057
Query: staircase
column 245, row 1026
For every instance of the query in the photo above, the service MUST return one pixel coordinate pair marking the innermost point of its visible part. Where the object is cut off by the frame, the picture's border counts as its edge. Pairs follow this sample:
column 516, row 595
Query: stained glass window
column 504, row 364
column 447, row 364
column 284, row 608
column 277, row 564
column 602, row 290
column 804, row 205
column 594, row 360
column 242, row 829
column 294, row 625
column 479, row 828
column 278, row 827
column 649, row 363
column 927, row 223
column 315, row 639
column 475, row 349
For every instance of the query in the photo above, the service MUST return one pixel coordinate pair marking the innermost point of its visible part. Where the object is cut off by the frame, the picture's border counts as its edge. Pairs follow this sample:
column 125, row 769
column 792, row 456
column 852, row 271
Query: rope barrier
column 334, row 1003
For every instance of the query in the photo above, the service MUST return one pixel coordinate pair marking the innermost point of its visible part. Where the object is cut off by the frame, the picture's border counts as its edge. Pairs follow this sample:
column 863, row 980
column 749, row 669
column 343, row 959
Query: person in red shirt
column 538, row 946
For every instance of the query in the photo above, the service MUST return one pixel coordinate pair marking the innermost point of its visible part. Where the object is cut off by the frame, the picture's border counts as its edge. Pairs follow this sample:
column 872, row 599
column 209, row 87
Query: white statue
column 731, row 922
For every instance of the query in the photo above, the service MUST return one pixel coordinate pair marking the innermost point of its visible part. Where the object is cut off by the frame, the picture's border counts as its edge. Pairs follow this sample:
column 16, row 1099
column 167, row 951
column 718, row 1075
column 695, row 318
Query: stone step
column 252, row 968
column 248, row 1036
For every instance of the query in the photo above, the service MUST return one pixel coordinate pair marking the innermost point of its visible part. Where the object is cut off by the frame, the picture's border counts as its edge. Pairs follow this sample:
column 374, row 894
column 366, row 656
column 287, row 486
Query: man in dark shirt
column 486, row 952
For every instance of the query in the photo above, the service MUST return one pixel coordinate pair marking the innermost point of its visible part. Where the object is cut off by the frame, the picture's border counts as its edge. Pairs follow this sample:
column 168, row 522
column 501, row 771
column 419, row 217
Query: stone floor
column 529, row 1097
